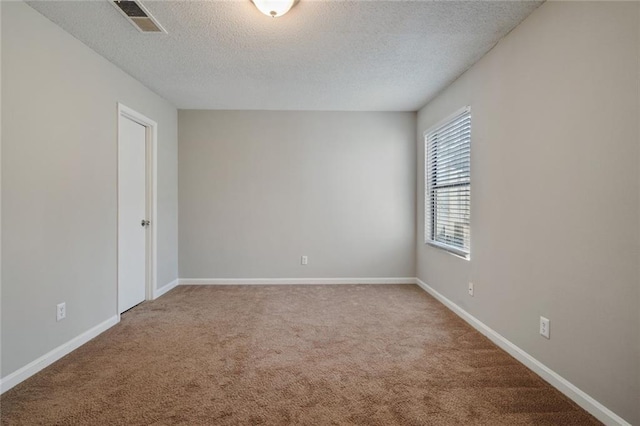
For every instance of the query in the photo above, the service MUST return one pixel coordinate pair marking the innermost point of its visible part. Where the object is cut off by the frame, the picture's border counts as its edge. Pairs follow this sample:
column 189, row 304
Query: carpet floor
column 277, row 355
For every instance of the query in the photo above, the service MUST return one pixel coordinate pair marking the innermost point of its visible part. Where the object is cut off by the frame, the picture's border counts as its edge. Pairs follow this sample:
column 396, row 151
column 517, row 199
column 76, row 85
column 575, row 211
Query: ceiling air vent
column 139, row 16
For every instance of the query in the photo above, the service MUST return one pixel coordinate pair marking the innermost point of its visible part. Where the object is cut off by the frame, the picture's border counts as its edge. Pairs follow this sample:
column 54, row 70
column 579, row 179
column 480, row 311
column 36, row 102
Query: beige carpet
column 313, row 355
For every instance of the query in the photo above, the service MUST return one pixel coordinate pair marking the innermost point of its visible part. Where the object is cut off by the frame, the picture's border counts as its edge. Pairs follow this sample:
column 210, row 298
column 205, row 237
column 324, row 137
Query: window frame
column 429, row 193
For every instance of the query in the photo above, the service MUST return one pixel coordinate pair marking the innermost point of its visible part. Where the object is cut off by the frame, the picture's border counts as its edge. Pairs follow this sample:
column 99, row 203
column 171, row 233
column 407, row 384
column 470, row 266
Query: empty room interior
column 320, row 212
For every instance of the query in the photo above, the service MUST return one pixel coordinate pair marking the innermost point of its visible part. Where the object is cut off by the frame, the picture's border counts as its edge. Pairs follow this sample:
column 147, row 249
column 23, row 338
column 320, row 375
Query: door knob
column 145, row 223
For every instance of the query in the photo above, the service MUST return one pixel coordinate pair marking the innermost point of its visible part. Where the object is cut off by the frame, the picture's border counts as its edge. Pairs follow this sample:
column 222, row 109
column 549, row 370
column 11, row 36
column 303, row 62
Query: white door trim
column 152, row 194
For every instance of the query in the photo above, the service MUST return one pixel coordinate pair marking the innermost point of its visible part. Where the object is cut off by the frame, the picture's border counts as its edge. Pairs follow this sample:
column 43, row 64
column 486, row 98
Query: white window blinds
column 448, row 184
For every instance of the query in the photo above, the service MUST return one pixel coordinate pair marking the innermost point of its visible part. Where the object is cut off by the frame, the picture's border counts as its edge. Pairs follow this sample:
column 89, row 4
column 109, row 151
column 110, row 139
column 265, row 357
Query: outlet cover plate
column 61, row 311
column 544, row 327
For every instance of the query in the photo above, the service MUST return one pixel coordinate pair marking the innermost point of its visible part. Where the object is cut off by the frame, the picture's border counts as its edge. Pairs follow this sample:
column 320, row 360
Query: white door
column 132, row 225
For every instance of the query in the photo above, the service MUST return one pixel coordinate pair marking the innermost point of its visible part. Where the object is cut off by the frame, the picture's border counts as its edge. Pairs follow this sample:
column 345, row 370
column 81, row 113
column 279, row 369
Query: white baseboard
column 162, row 290
column 581, row 398
column 52, row 356
column 283, row 281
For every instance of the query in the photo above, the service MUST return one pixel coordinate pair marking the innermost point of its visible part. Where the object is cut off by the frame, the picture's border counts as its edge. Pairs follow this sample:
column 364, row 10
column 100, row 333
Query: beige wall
column 259, row 189
column 555, row 185
column 59, row 184
column 556, row 191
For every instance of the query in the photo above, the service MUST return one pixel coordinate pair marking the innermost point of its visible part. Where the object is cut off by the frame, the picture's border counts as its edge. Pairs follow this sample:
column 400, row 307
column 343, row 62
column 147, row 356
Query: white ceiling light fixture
column 274, row 8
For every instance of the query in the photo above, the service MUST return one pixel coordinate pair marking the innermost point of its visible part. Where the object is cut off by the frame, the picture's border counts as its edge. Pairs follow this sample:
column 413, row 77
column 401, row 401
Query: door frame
column 151, row 155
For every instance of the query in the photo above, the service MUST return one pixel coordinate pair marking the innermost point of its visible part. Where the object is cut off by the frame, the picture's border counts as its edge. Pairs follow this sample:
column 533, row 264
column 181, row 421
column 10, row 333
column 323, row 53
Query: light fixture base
column 274, row 8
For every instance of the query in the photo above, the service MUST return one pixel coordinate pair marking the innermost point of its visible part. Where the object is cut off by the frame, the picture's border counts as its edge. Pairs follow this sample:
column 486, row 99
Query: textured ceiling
column 322, row 55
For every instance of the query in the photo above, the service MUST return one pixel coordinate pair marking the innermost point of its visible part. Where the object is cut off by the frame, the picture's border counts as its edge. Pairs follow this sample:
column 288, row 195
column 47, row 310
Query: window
column 448, row 184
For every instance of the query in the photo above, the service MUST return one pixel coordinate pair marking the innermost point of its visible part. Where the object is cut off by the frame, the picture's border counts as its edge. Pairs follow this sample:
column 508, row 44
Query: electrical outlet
column 304, row 260
column 61, row 311
column 544, row 327
column 470, row 289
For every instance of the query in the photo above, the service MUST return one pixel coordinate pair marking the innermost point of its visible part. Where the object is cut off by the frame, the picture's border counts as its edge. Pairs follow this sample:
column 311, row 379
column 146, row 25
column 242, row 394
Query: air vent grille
column 139, row 16
column 131, row 8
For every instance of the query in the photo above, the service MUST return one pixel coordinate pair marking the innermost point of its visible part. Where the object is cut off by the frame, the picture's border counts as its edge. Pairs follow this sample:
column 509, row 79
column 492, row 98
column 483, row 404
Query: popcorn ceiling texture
column 322, row 55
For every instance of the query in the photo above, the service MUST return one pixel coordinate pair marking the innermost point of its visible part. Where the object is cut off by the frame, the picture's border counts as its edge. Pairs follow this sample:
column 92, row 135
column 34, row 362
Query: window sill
column 451, row 250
